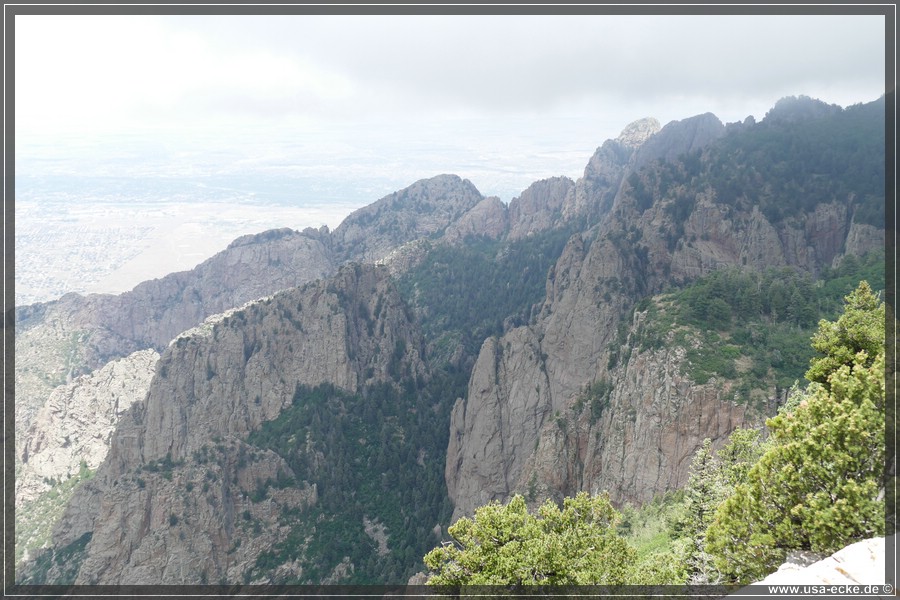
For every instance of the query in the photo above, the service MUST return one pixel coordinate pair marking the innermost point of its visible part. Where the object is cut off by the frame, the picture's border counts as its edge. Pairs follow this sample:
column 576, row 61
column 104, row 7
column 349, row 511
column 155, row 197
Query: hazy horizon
column 294, row 121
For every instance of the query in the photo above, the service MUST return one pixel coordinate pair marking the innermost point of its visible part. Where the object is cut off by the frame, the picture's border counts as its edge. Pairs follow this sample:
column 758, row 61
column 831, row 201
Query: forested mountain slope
column 670, row 223
column 587, row 336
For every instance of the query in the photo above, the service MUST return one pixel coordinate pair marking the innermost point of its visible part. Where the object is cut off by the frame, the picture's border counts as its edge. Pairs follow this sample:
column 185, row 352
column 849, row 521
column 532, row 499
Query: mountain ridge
column 643, row 217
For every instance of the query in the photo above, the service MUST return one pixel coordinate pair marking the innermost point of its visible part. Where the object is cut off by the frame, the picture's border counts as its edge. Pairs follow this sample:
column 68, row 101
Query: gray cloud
column 584, row 73
column 523, row 63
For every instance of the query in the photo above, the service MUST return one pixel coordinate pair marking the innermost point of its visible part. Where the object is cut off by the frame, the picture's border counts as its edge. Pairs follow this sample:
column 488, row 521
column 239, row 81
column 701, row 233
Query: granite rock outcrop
column 211, row 387
column 524, row 383
column 78, row 420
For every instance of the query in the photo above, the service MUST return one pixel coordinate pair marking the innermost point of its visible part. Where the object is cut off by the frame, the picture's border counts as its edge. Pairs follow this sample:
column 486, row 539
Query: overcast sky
column 513, row 79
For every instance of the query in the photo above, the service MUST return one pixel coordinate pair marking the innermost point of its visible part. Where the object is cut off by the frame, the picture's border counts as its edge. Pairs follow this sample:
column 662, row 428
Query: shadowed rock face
column 679, row 137
column 506, row 429
column 210, row 377
column 487, row 219
column 656, row 419
column 424, row 209
column 524, row 383
column 539, row 207
column 220, row 381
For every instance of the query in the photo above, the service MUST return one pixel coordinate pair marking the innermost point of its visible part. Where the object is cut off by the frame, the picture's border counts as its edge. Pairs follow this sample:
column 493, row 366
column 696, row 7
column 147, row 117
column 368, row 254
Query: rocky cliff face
column 677, row 138
column 229, row 377
column 511, row 433
column 59, row 340
column 640, row 144
column 50, row 351
column 190, row 522
column 650, row 424
column 715, row 237
column 488, row 219
column 75, row 335
column 593, row 194
column 862, row 239
column 77, row 422
column 155, row 311
column 212, row 386
column 251, row 267
column 539, row 207
column 421, row 210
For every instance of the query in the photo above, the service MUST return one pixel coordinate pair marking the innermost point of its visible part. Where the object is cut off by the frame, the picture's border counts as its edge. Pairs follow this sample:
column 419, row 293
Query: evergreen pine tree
column 818, row 485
